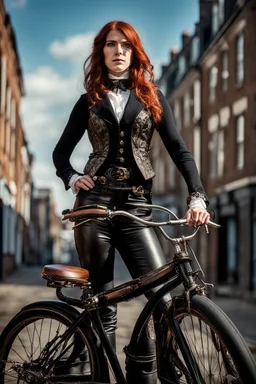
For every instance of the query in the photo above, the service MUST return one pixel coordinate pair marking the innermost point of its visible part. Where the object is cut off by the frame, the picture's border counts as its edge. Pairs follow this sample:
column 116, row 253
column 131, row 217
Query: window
column 215, row 18
column 195, row 49
column 197, row 147
column 225, row 73
column 3, row 82
column 197, row 100
column 231, row 251
column 217, row 153
column 182, row 66
column 240, row 59
column 220, row 153
column 13, row 114
column 212, row 146
column 213, row 78
column 186, row 109
column 177, row 114
column 240, row 127
column 221, row 11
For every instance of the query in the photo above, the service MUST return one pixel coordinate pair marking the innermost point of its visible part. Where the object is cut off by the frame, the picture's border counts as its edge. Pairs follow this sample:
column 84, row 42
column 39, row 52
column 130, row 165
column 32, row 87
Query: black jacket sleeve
column 177, row 149
column 71, row 135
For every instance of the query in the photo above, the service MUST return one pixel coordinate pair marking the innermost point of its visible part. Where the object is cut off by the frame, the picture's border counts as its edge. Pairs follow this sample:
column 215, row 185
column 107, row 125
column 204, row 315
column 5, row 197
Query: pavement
column 26, row 286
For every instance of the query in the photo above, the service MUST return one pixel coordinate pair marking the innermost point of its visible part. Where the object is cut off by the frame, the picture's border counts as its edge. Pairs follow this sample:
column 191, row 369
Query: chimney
column 185, row 37
column 205, row 7
column 174, row 54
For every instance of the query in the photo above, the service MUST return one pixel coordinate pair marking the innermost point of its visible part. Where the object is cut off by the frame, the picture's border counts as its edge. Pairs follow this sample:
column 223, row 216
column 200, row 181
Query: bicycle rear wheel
column 212, row 344
column 25, row 345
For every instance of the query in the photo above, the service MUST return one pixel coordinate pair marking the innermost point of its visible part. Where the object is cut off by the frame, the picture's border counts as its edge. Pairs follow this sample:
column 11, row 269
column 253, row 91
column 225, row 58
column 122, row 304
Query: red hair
column 141, row 70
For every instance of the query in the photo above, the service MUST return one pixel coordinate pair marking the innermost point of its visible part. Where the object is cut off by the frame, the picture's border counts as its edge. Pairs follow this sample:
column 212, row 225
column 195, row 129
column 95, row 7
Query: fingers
column 85, row 183
column 197, row 216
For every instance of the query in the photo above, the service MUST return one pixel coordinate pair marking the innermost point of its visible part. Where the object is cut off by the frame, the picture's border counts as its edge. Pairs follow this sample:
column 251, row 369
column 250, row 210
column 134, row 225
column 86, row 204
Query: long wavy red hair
column 141, row 70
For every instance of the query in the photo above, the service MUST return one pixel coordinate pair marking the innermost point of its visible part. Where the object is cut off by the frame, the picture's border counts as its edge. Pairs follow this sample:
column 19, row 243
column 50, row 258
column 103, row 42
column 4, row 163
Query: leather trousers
column 140, row 250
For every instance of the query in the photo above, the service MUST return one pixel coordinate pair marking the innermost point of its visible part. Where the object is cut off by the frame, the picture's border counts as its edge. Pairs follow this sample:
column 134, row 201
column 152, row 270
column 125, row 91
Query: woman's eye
column 110, row 44
column 127, row 45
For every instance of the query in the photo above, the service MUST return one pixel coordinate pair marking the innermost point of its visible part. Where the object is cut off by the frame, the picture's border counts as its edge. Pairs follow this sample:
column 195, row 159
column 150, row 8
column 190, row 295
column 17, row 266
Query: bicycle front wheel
column 28, row 353
column 200, row 337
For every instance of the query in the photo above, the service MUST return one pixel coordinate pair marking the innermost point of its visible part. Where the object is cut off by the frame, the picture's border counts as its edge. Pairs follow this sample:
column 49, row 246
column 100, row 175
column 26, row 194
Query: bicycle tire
column 230, row 356
column 24, row 329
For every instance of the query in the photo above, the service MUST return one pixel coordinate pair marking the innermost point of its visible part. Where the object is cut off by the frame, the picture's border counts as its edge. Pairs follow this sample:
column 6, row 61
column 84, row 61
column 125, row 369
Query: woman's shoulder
column 83, row 98
column 82, row 101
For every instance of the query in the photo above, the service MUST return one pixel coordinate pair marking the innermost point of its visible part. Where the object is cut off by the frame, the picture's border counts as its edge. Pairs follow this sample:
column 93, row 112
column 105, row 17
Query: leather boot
column 140, row 363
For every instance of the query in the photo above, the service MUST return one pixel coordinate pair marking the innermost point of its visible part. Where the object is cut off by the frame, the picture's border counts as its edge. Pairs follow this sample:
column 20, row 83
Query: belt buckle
column 120, row 173
column 138, row 191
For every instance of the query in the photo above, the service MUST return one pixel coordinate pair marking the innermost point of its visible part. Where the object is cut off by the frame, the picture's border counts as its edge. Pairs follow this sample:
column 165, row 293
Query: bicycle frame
column 171, row 275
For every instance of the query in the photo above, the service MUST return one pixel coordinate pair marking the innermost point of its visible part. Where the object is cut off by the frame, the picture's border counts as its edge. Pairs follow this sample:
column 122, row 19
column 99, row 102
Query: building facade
column 228, row 75
column 15, row 158
column 213, row 99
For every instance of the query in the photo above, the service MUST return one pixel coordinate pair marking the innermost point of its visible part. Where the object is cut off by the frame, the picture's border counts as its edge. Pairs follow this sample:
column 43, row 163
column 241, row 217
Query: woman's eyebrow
column 114, row 41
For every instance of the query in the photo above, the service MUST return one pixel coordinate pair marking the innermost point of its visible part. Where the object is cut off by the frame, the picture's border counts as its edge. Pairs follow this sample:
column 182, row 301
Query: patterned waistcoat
column 132, row 135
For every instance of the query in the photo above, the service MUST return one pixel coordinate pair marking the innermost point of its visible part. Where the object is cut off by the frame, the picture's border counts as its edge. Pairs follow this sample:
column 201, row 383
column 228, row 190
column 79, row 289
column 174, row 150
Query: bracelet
column 197, row 195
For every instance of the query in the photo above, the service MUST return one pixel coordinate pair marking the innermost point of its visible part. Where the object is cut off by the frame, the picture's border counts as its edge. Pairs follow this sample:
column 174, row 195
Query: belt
column 102, row 181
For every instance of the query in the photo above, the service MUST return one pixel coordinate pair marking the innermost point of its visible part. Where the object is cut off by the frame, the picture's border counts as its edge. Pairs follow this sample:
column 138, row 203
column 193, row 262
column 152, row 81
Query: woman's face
column 117, row 53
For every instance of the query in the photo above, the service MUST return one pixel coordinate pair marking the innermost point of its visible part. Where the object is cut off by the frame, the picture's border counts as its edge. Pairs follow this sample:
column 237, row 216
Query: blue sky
column 54, row 37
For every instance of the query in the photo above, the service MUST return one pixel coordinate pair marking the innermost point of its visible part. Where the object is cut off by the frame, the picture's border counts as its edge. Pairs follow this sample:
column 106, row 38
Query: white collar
column 124, row 76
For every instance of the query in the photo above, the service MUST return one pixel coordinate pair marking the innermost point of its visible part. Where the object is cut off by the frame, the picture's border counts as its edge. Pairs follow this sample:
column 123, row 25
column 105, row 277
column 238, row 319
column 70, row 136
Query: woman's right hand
column 85, row 182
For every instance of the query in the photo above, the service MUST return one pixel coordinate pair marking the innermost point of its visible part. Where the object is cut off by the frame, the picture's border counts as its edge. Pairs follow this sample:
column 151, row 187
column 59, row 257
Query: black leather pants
column 139, row 248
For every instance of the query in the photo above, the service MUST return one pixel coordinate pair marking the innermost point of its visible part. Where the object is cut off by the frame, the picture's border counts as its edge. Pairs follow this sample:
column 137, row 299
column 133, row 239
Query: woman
column 120, row 111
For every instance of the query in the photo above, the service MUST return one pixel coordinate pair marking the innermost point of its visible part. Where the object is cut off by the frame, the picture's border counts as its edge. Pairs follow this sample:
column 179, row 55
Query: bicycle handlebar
column 85, row 213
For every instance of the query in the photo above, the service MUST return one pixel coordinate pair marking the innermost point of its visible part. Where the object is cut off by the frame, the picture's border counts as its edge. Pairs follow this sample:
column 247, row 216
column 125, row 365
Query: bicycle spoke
column 213, row 360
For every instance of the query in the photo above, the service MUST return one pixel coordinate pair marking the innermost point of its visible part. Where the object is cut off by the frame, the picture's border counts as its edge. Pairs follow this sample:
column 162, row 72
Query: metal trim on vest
column 142, row 132
column 98, row 135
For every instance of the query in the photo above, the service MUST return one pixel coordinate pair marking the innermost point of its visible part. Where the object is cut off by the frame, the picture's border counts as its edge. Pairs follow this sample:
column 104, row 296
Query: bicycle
column 195, row 341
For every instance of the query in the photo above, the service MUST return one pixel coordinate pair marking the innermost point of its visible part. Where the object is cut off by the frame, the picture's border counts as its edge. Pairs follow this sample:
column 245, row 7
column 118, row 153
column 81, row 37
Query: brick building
column 213, row 100
column 228, row 75
column 15, row 157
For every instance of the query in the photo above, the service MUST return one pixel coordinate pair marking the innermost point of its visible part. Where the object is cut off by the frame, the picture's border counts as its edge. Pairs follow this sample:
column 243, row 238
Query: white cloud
column 48, row 84
column 45, row 109
column 50, row 98
column 74, row 48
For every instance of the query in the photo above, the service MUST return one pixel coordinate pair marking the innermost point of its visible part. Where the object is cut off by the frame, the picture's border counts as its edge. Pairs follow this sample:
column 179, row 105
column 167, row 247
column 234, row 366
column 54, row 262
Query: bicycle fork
column 182, row 260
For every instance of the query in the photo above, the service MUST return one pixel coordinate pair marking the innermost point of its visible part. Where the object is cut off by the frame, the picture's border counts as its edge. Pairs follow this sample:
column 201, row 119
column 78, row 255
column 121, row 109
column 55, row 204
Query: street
column 27, row 286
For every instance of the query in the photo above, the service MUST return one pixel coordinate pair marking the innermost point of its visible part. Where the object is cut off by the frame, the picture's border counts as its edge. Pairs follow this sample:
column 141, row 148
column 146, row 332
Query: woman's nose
column 119, row 49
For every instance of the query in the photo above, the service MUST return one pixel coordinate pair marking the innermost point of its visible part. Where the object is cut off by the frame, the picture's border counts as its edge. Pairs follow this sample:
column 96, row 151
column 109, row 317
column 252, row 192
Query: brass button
column 95, row 178
column 122, row 133
column 121, row 142
column 121, row 150
column 121, row 159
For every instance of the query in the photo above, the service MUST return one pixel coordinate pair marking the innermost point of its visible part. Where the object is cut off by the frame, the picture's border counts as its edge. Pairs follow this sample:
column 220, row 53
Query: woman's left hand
column 196, row 216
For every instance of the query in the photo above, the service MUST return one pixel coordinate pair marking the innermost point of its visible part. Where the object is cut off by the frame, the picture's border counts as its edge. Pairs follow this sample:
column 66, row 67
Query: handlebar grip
column 214, row 225
column 184, row 221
